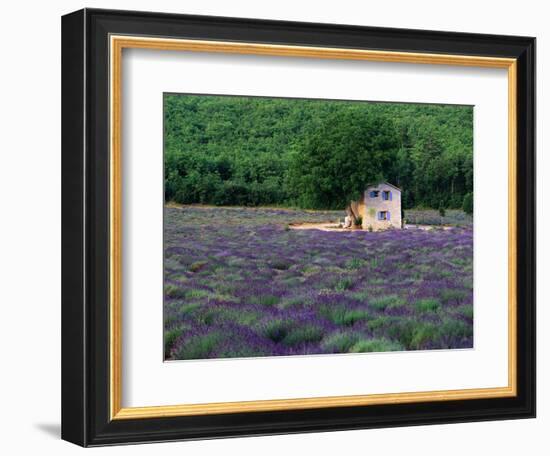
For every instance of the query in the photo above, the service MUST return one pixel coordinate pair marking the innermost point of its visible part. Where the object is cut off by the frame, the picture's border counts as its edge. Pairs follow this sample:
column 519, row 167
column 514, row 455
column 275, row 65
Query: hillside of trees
column 316, row 154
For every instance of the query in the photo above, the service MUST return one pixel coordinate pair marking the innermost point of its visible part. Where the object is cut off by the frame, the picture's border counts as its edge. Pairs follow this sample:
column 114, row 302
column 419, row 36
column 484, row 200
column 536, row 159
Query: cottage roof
column 385, row 183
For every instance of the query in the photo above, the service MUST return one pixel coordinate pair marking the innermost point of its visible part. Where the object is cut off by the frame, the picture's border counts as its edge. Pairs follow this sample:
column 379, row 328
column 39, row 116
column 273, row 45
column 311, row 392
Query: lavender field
column 240, row 283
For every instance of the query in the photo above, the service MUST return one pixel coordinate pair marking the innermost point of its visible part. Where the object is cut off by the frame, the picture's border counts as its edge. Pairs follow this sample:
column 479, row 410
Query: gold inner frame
column 117, row 44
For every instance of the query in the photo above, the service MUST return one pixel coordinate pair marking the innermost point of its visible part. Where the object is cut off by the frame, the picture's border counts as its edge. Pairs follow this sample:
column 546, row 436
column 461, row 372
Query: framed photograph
column 278, row 227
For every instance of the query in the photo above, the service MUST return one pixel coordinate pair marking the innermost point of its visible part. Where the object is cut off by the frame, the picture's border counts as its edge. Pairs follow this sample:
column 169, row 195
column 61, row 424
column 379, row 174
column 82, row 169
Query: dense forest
column 317, row 154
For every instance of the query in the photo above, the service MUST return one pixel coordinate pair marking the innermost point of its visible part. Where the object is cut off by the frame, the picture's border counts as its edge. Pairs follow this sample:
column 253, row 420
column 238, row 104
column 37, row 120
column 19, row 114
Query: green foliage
column 170, row 336
column 456, row 328
column 189, row 309
column 375, row 345
column 423, row 334
column 199, row 347
column 276, row 330
column 467, row 311
column 387, row 302
column 343, row 284
column 191, row 293
column 468, row 203
column 453, row 296
column 197, row 266
column 295, row 301
column 455, row 217
column 379, row 322
column 251, row 151
column 331, row 165
column 281, row 264
column 302, row 335
column 340, row 342
column 174, row 291
column 427, row 305
column 265, row 300
column 342, row 316
column 441, row 209
column 355, row 263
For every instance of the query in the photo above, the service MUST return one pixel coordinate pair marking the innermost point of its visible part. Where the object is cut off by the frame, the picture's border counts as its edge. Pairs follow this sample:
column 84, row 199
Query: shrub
column 379, row 322
column 189, row 309
column 265, row 300
column 243, row 317
column 208, row 316
column 295, row 301
column 427, row 305
column 375, row 345
column 343, row 284
column 466, row 311
column 422, row 334
column 452, row 296
column 468, row 203
column 350, row 317
column 174, row 291
column 387, row 302
column 310, row 270
column 403, row 331
column 170, row 337
column 354, row 263
column 413, row 334
column 199, row 347
column 302, row 335
column 276, row 330
column 198, row 266
column 456, row 328
column 225, row 314
column 196, row 293
column 340, row 342
column 281, row 265
column 240, row 349
column 361, row 295
column 341, row 316
column 441, row 209
column 373, row 263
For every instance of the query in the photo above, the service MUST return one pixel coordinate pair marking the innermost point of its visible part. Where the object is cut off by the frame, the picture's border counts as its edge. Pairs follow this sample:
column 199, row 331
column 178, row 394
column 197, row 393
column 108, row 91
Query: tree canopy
column 334, row 163
column 227, row 150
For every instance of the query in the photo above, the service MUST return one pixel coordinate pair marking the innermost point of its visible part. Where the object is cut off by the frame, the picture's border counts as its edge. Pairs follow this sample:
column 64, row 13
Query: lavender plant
column 239, row 283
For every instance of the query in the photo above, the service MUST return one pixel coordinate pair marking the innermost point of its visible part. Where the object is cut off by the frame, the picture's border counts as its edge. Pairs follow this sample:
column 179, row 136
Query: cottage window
column 374, row 194
column 386, row 195
column 384, row 215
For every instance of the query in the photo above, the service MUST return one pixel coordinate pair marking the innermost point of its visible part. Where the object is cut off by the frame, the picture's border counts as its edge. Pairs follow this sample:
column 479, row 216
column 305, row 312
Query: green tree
column 441, row 209
column 334, row 163
column 241, row 150
column 468, row 203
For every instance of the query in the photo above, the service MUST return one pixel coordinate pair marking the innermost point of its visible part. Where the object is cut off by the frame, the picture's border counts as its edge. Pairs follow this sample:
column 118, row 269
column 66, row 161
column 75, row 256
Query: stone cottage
column 380, row 207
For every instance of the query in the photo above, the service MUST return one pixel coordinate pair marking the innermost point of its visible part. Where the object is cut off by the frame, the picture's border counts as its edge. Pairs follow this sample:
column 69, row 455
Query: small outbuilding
column 379, row 208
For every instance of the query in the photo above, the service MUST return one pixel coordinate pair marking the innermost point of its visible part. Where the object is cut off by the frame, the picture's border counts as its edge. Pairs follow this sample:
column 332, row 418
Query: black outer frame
column 85, row 227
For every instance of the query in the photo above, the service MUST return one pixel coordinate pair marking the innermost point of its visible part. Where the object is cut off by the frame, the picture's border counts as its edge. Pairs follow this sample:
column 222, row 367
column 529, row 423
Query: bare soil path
column 317, row 226
column 335, row 227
